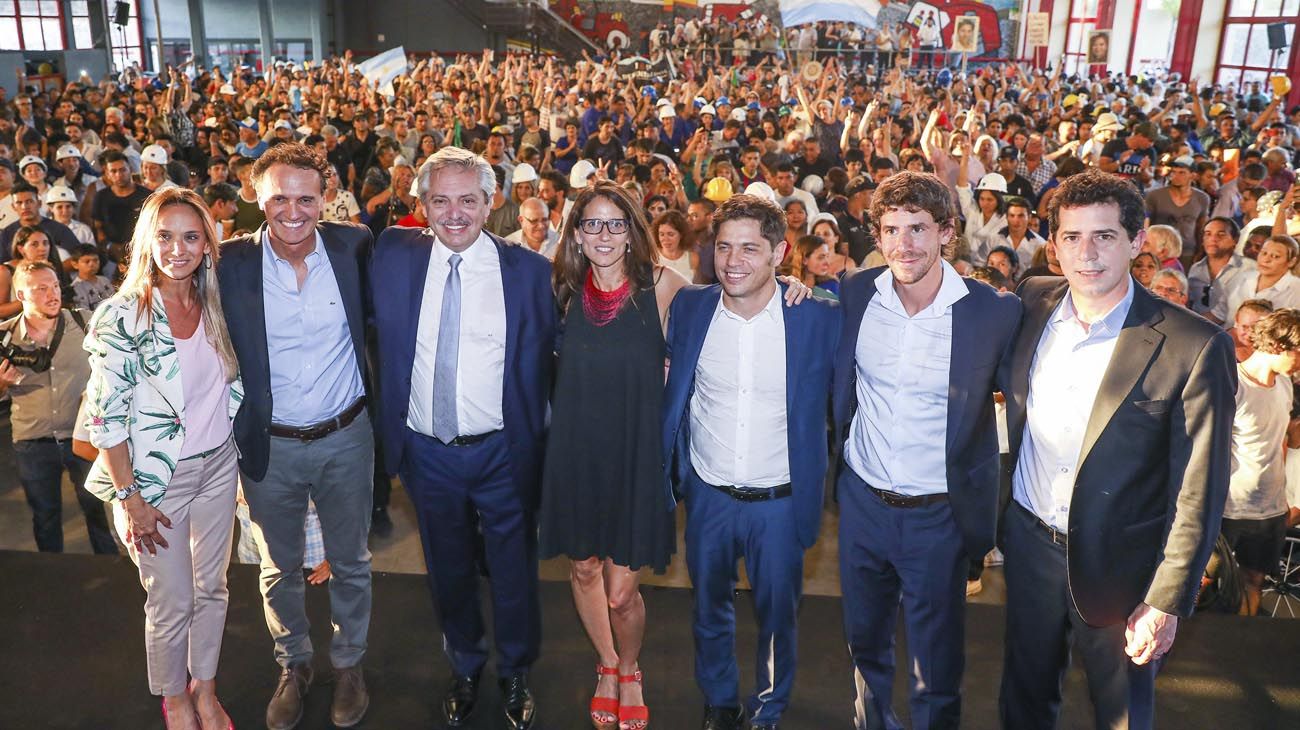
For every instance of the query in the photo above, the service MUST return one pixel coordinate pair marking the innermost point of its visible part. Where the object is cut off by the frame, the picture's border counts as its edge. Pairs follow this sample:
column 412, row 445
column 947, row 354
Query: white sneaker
column 993, row 558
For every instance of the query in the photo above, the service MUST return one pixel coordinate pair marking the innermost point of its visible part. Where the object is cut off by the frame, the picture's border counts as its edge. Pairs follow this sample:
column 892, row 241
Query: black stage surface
column 73, row 657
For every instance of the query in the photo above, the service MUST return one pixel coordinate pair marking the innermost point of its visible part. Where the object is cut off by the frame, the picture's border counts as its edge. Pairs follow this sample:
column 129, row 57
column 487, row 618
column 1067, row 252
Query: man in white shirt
column 747, row 455
column 916, row 367
column 1211, row 278
column 783, row 183
column 535, row 230
column 1119, row 411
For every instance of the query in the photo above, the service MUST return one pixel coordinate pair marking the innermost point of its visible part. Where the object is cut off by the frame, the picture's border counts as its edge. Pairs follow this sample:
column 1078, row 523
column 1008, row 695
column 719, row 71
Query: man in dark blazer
column 293, row 294
column 918, row 486
column 745, row 411
column 466, row 328
column 1119, row 412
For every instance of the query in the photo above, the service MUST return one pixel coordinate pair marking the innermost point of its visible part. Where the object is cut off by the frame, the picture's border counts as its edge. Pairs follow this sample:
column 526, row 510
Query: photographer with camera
column 45, row 371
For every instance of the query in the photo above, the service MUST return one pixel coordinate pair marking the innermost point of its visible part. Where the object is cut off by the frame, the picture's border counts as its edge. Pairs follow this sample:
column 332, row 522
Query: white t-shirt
column 1257, row 488
column 341, row 208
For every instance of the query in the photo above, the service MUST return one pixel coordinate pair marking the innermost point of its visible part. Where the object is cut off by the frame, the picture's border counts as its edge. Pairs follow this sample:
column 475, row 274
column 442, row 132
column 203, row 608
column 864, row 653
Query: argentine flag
column 384, row 68
column 799, row 12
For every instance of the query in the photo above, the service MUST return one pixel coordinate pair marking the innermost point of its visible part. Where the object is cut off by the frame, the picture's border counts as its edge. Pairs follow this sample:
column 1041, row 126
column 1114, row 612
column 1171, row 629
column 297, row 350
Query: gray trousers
column 336, row 472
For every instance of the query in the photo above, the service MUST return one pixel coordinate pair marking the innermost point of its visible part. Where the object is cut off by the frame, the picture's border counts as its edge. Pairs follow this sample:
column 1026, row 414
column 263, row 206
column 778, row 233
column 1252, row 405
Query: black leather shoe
column 518, row 701
column 458, row 705
column 723, row 718
column 381, row 525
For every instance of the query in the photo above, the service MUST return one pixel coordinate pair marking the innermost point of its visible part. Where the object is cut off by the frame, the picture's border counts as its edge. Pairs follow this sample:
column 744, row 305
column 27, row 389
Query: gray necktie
column 446, row 427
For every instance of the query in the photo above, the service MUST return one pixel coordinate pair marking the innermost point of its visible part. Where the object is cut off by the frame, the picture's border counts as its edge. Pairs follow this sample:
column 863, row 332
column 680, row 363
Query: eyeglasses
column 593, row 226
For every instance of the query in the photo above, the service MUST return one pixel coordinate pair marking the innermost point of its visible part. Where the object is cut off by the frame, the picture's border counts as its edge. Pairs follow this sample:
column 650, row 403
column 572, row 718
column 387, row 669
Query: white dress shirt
column 1199, row 279
column 898, row 438
column 1068, row 368
column 1284, row 293
column 480, row 363
column 738, row 413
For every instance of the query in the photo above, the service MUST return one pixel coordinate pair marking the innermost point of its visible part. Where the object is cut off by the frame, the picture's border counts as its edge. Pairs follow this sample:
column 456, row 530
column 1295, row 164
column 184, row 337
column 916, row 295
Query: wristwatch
column 124, row 493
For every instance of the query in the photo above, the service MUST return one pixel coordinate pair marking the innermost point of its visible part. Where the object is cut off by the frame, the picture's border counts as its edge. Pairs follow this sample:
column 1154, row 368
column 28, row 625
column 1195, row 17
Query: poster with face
column 1099, row 46
column 966, row 34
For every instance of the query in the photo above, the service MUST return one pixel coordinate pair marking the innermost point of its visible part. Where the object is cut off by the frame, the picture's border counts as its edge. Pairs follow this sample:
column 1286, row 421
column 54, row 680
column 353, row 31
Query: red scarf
column 601, row 307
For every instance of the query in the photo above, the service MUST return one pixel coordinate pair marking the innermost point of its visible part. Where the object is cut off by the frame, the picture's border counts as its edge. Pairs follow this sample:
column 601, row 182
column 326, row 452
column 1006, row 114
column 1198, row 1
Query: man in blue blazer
column 466, row 327
column 918, row 484
column 745, row 417
column 294, row 299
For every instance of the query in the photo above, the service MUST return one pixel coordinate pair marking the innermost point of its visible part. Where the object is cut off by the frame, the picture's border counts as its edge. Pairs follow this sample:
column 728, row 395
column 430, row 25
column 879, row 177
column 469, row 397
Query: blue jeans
column 40, row 469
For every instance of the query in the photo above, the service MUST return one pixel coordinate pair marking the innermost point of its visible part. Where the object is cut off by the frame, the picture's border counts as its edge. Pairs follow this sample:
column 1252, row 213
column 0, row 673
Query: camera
column 38, row 360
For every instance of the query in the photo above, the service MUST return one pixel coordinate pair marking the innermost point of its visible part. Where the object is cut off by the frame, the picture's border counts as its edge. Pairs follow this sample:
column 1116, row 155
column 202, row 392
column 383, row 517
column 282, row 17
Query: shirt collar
column 1109, row 324
column 951, row 289
column 772, row 310
column 270, row 256
column 472, row 255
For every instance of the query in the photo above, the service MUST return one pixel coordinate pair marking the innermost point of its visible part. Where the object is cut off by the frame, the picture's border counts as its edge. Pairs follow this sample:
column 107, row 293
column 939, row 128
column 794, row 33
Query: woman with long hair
column 603, row 503
column 796, row 221
column 31, row 243
column 812, row 265
column 162, row 396
column 676, row 243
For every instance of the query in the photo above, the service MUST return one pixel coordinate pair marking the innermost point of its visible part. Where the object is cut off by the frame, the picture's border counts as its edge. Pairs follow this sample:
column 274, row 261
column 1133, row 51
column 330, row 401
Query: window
column 1244, row 56
column 81, row 37
column 127, row 41
column 31, row 25
column 1083, row 19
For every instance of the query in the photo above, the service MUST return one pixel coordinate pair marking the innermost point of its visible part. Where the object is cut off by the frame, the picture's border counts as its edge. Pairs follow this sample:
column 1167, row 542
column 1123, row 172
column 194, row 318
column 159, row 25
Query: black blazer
column 239, row 272
column 1153, row 474
column 984, row 324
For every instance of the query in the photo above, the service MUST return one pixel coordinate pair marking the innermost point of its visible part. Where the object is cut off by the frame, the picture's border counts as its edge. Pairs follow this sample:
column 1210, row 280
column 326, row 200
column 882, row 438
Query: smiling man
column 294, row 304
column 915, row 369
column 1119, row 412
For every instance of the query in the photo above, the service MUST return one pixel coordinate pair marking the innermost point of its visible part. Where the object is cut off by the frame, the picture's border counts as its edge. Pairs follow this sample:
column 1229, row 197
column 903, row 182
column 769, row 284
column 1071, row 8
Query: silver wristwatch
column 124, row 493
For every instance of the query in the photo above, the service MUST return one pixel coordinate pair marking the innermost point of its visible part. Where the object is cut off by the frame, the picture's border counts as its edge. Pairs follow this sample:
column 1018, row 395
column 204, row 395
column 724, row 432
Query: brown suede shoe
column 350, row 697
column 285, row 709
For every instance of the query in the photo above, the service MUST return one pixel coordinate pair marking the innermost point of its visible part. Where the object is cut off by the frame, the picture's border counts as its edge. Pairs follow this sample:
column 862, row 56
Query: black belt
column 470, row 440
column 42, row 440
column 754, row 494
column 894, row 499
column 1058, row 537
column 322, row 429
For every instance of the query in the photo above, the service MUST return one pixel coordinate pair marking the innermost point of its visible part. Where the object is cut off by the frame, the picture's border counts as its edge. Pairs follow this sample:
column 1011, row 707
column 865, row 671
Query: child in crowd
column 89, row 288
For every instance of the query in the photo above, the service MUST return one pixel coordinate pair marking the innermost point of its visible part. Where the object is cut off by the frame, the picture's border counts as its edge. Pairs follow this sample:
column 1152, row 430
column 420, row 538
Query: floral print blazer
column 135, row 395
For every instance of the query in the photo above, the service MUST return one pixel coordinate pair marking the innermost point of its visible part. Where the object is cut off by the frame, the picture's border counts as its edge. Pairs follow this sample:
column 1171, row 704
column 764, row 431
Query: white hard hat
column 66, row 151
column 60, row 194
column 813, row 184
column 992, row 181
column 524, row 173
column 31, row 160
column 666, row 111
column 582, row 169
column 738, row 114
column 762, row 190
column 155, row 154
column 708, row 109
column 283, row 124
column 227, row 89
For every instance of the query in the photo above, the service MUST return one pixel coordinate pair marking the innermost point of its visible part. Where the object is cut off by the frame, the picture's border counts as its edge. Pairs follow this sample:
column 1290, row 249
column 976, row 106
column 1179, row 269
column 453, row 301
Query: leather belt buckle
column 901, row 501
column 324, row 428
column 754, row 494
column 471, row 440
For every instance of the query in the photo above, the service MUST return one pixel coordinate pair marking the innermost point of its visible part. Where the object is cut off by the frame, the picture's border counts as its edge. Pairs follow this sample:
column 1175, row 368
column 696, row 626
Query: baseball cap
column 723, row 101
column 249, row 123
column 754, row 106
column 283, row 124
column 1184, row 162
column 1009, row 153
column 155, row 154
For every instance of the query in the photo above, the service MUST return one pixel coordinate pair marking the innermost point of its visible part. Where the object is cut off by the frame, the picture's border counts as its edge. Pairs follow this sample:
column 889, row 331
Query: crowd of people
column 558, row 298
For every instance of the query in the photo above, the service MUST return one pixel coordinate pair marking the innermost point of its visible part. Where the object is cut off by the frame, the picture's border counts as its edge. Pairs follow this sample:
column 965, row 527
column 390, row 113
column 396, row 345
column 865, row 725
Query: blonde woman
column 1166, row 244
column 162, row 394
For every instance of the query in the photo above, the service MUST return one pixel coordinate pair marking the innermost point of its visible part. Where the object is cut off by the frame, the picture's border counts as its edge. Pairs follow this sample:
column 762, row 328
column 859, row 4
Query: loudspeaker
column 1276, row 36
column 121, row 12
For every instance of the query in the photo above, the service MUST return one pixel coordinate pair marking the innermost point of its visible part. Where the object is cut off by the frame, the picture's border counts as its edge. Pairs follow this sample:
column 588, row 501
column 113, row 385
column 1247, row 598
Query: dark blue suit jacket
column 984, row 325
column 811, row 331
column 239, row 273
column 398, row 270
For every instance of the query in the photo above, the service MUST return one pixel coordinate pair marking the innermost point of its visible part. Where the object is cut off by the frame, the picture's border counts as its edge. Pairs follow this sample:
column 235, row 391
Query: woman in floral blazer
column 163, row 392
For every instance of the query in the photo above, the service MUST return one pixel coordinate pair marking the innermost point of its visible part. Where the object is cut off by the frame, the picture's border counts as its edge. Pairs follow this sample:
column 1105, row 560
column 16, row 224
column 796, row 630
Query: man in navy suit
column 745, row 446
column 918, row 486
column 293, row 294
column 466, row 328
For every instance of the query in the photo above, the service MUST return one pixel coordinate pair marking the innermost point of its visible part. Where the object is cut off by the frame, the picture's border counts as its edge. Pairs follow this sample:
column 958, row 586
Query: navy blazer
column 239, row 272
column 398, row 270
column 984, row 326
column 811, row 331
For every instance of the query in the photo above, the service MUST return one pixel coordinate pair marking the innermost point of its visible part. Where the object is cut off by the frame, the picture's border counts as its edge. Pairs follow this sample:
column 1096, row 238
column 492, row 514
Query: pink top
column 207, row 423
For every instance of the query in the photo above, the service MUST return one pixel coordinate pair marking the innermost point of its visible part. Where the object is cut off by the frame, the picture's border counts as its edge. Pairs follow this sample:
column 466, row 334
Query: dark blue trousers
column 40, row 469
column 916, row 555
column 720, row 531
column 1042, row 624
column 458, row 491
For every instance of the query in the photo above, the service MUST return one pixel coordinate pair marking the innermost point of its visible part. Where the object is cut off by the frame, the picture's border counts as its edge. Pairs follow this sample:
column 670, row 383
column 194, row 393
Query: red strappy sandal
column 606, row 706
column 632, row 717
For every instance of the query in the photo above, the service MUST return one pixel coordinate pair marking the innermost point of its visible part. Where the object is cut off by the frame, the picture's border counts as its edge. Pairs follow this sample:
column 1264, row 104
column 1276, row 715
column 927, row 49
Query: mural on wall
column 628, row 23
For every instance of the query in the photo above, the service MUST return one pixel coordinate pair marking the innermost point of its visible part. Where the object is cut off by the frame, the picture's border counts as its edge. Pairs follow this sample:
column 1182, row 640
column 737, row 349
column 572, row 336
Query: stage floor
column 74, row 658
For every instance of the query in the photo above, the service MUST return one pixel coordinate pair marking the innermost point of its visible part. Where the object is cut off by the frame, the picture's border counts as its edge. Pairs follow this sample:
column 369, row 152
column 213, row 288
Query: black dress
column 603, row 484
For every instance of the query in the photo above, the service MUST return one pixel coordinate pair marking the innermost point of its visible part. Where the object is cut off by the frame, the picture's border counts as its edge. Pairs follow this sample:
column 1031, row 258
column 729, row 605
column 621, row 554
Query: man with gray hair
column 534, row 229
column 462, row 417
column 1171, row 286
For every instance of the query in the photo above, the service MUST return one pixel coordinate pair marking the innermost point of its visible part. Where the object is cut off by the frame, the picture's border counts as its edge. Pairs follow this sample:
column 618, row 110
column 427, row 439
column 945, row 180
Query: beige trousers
column 185, row 611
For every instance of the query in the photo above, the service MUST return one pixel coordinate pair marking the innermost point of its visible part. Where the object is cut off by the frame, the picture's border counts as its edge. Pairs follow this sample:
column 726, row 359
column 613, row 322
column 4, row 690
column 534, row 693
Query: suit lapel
column 514, row 301
column 1137, row 344
column 420, row 255
column 255, row 300
column 348, row 276
column 963, row 346
column 700, row 330
column 794, row 341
